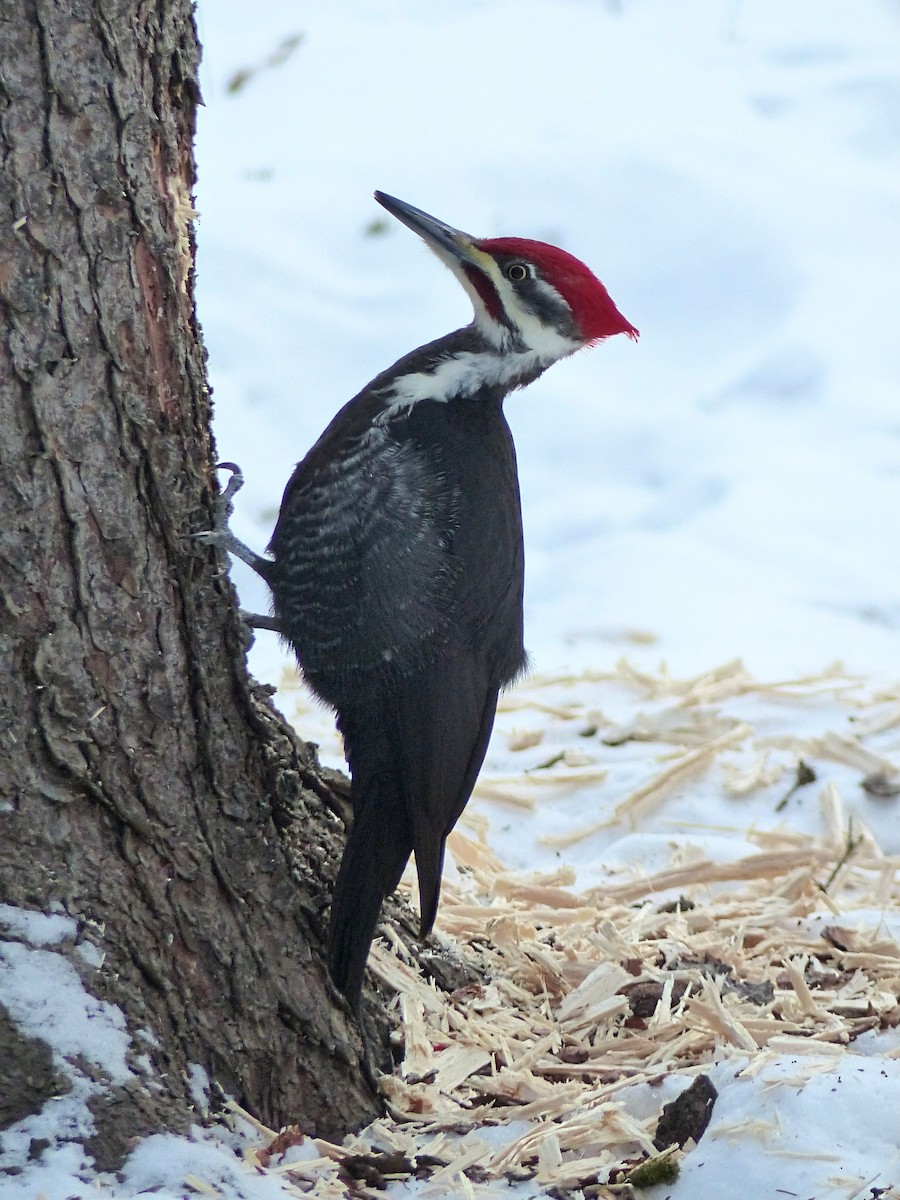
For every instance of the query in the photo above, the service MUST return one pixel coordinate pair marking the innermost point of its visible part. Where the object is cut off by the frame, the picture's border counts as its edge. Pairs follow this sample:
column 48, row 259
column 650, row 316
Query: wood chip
column 586, row 993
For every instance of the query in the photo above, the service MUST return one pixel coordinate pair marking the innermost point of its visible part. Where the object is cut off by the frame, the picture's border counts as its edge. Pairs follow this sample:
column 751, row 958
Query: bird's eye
column 516, row 272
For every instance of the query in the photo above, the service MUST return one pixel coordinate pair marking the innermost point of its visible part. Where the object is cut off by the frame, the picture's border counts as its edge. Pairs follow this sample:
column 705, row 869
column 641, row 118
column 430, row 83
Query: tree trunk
column 145, row 781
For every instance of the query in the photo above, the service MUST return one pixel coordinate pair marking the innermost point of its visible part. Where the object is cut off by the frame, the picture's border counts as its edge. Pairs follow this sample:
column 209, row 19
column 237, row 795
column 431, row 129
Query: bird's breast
column 401, row 543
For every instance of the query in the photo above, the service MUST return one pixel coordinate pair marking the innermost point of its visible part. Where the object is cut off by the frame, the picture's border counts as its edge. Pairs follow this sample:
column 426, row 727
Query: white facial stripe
column 542, row 340
column 546, row 341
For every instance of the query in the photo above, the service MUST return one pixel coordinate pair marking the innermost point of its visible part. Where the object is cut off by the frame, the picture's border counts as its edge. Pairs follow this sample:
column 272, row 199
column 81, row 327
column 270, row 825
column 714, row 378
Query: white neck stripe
column 461, row 374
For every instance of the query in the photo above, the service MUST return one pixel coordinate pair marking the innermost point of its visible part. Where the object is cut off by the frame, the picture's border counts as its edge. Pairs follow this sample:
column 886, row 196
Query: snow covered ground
column 726, row 488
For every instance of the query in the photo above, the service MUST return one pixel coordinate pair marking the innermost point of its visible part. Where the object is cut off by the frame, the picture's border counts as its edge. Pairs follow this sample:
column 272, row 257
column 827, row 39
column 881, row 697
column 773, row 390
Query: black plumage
column 397, row 563
column 397, row 578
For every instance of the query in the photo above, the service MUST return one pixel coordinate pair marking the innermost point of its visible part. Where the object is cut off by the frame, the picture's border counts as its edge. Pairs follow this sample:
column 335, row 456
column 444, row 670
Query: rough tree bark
column 144, row 780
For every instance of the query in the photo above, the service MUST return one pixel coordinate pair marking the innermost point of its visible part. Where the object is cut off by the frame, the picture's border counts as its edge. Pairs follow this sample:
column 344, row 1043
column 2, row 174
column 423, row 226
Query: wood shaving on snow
column 598, row 978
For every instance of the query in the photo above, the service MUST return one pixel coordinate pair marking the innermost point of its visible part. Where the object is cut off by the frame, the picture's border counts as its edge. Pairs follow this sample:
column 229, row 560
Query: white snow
column 45, row 997
column 160, row 1165
column 38, row 929
column 728, row 487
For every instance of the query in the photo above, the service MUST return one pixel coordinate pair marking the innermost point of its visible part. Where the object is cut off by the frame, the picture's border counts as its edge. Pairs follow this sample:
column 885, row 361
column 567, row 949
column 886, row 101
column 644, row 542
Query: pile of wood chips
column 524, row 1077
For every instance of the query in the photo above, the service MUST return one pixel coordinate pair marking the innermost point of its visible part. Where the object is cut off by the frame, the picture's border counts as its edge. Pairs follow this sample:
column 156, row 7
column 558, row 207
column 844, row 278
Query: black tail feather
column 413, row 760
column 377, row 850
column 441, row 756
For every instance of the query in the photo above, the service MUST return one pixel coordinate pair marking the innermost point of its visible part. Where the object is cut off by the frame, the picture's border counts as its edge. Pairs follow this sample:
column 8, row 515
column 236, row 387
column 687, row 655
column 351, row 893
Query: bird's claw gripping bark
column 220, row 535
column 223, row 508
column 232, row 487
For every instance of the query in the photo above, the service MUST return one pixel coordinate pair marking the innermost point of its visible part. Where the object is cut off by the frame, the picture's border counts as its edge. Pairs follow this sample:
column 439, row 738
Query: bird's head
column 528, row 296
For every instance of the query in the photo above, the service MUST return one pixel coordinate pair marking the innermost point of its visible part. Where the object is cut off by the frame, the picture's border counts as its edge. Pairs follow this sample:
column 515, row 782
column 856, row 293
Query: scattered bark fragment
column 682, row 904
column 377, row 1169
column 881, row 785
column 760, row 994
column 686, row 1117
column 644, row 996
column 291, row 1135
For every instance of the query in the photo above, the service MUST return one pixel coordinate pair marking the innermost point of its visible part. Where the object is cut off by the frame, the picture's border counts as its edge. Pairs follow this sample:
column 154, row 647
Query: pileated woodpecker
column 396, row 565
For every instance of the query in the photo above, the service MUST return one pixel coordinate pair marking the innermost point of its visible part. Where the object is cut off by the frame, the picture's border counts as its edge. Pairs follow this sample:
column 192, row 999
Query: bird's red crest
column 589, row 300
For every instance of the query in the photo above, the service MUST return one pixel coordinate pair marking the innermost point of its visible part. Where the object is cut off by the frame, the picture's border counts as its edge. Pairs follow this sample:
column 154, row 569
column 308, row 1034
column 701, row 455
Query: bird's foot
column 221, row 536
column 251, row 621
column 259, row 621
